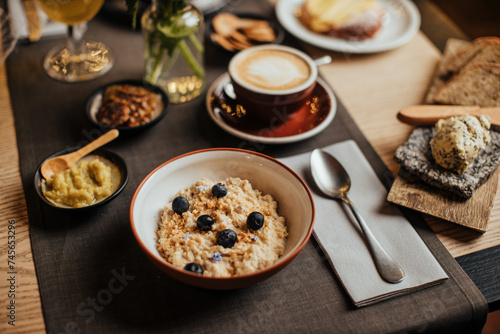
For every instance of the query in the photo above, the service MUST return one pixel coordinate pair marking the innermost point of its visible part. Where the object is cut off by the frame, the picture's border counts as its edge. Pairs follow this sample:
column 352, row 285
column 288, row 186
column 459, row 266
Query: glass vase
column 173, row 51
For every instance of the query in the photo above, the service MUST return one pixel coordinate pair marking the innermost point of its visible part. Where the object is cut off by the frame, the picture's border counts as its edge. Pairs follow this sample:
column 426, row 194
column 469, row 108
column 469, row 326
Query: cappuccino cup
column 272, row 82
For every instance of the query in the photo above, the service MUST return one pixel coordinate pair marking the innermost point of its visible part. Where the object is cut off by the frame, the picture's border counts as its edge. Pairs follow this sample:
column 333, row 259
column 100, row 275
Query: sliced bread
column 475, row 85
column 480, row 50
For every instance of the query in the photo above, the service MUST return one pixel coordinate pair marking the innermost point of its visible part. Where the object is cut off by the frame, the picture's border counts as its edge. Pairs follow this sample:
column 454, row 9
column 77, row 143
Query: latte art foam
column 273, row 70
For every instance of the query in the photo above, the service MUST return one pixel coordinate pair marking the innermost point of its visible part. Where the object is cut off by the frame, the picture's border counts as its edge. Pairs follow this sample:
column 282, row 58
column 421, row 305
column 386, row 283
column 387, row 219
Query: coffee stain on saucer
column 308, row 117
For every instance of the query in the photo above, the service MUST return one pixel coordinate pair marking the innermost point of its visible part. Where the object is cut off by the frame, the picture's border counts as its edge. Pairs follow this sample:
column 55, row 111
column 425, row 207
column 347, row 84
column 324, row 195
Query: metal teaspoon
column 333, row 181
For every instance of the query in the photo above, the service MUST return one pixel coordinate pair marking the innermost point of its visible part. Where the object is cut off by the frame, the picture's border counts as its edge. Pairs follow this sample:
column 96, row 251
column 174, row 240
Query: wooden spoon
column 430, row 114
column 62, row 162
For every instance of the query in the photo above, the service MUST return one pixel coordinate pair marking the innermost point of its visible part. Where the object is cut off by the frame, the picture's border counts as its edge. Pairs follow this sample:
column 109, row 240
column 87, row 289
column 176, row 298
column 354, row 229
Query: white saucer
column 401, row 22
column 299, row 126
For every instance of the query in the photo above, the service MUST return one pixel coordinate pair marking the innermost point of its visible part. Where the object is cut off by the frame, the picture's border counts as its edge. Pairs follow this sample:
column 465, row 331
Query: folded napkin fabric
column 339, row 236
column 417, row 164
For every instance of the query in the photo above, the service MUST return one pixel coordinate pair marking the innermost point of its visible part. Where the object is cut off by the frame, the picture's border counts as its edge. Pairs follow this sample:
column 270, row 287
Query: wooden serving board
column 473, row 213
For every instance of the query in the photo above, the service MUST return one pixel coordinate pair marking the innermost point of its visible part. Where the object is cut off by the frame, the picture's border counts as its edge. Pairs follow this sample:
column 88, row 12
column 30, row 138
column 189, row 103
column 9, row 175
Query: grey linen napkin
column 339, row 236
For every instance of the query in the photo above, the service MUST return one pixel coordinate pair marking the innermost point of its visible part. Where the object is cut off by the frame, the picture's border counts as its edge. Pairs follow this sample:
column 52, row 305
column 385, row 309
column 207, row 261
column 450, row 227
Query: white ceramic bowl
column 270, row 176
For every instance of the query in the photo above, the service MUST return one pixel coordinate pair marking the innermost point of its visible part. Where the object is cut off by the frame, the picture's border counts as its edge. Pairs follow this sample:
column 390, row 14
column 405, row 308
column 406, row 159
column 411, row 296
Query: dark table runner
column 92, row 275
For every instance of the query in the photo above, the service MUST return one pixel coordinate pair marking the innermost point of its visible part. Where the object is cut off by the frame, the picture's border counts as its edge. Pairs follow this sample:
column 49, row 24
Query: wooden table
column 369, row 87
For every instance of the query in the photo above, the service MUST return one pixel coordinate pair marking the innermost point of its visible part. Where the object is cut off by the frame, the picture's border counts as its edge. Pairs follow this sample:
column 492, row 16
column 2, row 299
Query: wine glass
column 78, row 59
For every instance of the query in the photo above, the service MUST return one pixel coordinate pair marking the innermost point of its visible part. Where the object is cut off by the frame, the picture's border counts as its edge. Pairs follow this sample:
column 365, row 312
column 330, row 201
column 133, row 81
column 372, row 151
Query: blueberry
column 194, row 268
column 205, row 222
column 219, row 190
column 180, row 205
column 227, row 238
column 255, row 221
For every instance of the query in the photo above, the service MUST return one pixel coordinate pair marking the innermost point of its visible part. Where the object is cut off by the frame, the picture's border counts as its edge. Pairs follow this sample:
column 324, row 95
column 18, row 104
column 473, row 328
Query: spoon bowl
column 329, row 175
column 334, row 182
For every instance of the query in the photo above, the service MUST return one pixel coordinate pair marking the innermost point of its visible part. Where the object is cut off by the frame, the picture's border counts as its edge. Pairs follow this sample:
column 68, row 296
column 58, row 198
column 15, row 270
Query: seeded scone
column 347, row 19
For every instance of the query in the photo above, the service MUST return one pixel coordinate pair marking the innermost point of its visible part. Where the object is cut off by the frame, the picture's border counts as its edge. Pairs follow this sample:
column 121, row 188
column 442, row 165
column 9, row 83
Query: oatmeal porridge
column 221, row 229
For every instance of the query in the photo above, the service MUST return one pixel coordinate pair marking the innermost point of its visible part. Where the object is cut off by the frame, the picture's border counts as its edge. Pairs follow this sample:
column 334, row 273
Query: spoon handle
column 102, row 140
column 322, row 60
column 386, row 266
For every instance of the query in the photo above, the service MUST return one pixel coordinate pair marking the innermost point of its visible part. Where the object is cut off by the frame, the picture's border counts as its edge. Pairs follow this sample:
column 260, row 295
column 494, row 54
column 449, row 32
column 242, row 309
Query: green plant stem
column 190, row 59
column 168, row 40
column 153, row 75
column 196, row 43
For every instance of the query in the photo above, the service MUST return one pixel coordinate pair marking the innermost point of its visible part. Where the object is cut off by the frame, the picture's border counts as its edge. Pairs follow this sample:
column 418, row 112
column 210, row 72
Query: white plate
column 265, row 139
column 401, row 21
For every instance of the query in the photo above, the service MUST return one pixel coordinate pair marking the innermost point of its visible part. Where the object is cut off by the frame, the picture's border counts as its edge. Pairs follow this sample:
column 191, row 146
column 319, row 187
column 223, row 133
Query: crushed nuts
column 127, row 105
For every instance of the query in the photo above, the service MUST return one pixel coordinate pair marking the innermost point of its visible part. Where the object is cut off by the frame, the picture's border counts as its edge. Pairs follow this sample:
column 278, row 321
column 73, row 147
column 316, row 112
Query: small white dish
column 299, row 126
column 401, row 22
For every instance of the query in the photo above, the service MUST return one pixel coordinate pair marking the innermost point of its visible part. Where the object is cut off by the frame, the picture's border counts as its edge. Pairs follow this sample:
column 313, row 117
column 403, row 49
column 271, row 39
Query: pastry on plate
column 347, row 19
